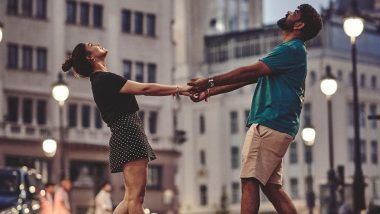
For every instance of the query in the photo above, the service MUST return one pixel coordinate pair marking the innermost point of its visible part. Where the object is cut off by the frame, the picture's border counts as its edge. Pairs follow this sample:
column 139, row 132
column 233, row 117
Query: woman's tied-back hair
column 78, row 60
column 312, row 21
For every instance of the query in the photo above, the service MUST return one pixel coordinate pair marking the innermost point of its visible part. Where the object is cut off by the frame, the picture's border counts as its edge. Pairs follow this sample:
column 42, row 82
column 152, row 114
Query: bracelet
column 207, row 95
column 177, row 91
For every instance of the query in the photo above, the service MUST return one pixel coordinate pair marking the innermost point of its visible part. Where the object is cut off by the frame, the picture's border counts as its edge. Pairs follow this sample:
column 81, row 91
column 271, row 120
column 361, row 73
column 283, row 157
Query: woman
column 114, row 97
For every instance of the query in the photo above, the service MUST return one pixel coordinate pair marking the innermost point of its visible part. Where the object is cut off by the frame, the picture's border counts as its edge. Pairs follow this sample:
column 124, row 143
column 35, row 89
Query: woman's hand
column 185, row 90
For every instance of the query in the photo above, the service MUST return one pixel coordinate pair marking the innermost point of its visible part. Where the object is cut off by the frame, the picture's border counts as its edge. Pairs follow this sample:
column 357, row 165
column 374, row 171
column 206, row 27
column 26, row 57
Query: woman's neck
column 100, row 66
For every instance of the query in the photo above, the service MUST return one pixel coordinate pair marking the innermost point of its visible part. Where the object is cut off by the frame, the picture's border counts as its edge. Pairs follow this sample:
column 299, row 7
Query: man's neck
column 287, row 36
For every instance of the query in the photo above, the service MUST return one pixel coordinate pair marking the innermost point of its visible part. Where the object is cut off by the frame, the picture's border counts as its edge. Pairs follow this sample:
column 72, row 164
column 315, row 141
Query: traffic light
column 180, row 136
column 341, row 183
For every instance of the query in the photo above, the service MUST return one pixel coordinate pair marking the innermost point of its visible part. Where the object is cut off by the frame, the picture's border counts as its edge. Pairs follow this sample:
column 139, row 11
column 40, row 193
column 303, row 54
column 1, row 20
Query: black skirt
column 128, row 142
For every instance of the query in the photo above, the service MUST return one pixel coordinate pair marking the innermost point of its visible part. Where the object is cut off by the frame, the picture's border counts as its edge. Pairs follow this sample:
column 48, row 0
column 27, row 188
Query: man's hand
column 199, row 83
column 199, row 96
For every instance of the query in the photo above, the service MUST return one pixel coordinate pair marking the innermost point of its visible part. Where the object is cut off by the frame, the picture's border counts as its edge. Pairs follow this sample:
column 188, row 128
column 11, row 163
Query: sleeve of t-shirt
column 281, row 58
column 112, row 82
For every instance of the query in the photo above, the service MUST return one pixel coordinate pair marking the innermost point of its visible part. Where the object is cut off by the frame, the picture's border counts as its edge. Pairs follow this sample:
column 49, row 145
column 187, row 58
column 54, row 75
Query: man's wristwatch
column 210, row 83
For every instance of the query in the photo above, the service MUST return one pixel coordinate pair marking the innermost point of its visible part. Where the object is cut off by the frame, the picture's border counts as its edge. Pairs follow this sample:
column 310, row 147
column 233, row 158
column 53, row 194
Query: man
column 275, row 109
column 103, row 202
column 61, row 198
column 47, row 203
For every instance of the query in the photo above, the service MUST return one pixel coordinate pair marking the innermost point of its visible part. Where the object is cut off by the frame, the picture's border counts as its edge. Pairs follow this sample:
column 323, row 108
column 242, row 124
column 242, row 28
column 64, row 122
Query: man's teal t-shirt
column 278, row 97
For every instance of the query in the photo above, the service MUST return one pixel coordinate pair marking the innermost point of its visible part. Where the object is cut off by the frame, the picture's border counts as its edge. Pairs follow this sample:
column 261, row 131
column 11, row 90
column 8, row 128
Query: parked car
column 20, row 190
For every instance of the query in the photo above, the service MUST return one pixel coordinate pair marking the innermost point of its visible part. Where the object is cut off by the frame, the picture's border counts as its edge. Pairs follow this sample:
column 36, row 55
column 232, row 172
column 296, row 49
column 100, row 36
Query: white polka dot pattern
column 128, row 142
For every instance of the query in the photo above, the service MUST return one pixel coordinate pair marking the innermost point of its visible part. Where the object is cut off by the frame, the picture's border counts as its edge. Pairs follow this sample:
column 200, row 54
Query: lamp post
column 308, row 137
column 329, row 87
column 353, row 27
column 60, row 92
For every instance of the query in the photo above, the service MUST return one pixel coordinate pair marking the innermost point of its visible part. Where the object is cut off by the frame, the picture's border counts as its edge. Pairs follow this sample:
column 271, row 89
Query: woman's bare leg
column 135, row 173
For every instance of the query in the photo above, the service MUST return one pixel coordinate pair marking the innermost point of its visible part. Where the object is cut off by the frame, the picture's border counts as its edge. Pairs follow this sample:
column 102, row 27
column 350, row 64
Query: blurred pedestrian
column 61, row 198
column 103, row 202
column 47, row 202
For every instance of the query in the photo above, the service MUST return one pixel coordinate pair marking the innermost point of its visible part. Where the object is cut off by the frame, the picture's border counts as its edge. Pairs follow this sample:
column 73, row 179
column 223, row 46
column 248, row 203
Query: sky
column 276, row 9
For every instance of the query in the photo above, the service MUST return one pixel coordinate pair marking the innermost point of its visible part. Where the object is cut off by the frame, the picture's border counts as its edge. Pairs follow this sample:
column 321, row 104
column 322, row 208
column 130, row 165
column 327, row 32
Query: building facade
column 216, row 129
column 38, row 35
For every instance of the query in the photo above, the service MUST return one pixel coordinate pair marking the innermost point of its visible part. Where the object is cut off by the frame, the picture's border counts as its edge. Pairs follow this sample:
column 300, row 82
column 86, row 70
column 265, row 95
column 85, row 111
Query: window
column 235, row 192
column 307, row 114
column 203, row 195
column 154, row 177
column 41, row 112
column 27, row 58
column 313, row 77
column 12, row 111
column 84, row 13
column 293, row 156
column 374, row 152
column 153, row 122
column 294, row 188
column 27, row 8
column 139, row 72
column 71, row 12
column 126, row 21
column 246, row 114
column 362, row 114
column 98, row 16
column 139, row 23
column 73, row 115
column 98, row 119
column 373, row 111
column 308, row 154
column 374, row 82
column 41, row 59
column 127, row 69
column 142, row 117
column 85, row 116
column 12, row 56
column 202, row 124
column 350, row 114
column 234, row 128
column 339, row 75
column 41, row 9
column 12, row 7
column 152, row 72
column 87, row 173
column 351, row 150
column 151, row 25
column 362, row 80
column 27, row 109
column 202, row 158
column 235, row 157
column 363, row 150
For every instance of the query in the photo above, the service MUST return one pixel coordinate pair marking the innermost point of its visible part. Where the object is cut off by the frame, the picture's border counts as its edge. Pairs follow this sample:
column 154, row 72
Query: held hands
column 200, row 89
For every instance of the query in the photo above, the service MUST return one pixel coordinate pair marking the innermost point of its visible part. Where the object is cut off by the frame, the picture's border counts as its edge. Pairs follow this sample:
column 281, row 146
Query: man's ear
column 299, row 26
column 90, row 58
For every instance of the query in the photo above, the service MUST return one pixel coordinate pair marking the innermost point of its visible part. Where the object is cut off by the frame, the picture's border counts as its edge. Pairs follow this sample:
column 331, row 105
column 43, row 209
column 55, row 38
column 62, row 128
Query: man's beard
column 284, row 25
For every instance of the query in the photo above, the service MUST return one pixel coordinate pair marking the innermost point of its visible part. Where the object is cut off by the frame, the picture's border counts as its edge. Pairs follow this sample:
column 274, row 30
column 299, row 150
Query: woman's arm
column 152, row 89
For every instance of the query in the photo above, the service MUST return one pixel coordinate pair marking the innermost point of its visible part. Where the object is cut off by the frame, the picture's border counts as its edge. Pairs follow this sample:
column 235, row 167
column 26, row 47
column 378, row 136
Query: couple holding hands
column 273, row 120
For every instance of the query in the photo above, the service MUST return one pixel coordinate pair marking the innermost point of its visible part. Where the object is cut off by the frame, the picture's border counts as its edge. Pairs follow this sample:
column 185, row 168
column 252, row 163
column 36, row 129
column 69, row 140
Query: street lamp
column 49, row 146
column 1, row 31
column 353, row 27
column 329, row 87
column 60, row 92
column 308, row 137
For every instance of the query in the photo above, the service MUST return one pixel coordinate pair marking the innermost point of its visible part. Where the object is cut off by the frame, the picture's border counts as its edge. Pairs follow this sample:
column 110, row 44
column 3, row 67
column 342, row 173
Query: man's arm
column 219, row 90
column 236, row 76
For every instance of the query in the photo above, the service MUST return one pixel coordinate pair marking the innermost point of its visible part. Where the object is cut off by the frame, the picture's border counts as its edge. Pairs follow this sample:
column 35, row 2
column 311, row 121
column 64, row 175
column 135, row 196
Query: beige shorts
column 262, row 154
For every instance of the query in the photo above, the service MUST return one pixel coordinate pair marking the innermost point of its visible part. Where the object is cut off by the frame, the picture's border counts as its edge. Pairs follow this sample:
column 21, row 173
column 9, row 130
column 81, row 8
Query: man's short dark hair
column 312, row 20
